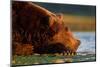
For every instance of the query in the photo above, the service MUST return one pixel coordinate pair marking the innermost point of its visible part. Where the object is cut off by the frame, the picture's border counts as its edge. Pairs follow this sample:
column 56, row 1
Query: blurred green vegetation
column 79, row 22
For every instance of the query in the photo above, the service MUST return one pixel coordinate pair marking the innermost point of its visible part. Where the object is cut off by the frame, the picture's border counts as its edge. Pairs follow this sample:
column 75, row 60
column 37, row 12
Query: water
column 87, row 41
column 86, row 50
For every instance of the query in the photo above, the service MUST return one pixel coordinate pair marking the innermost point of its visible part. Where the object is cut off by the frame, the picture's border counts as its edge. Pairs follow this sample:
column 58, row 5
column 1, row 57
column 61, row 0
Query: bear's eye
column 66, row 28
column 45, row 21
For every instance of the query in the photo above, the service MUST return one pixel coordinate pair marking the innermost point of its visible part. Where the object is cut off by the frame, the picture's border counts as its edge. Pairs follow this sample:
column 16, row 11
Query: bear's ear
column 60, row 16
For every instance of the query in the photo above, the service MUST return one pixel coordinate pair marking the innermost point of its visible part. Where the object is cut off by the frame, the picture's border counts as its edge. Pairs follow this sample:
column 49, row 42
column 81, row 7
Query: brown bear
column 32, row 24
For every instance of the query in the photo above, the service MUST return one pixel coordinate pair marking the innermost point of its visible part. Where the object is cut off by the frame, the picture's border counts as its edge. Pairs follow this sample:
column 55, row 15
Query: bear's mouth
column 56, row 49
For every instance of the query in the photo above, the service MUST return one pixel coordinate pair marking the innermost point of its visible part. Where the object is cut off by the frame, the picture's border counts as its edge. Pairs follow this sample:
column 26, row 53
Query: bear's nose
column 78, row 42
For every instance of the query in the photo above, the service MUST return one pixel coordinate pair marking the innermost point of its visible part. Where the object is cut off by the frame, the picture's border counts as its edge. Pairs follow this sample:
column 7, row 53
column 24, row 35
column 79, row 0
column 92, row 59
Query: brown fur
column 22, row 49
column 32, row 24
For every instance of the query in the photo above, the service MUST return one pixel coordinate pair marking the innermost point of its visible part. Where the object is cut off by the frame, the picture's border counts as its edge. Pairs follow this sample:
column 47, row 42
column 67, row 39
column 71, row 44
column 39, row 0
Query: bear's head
column 32, row 24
